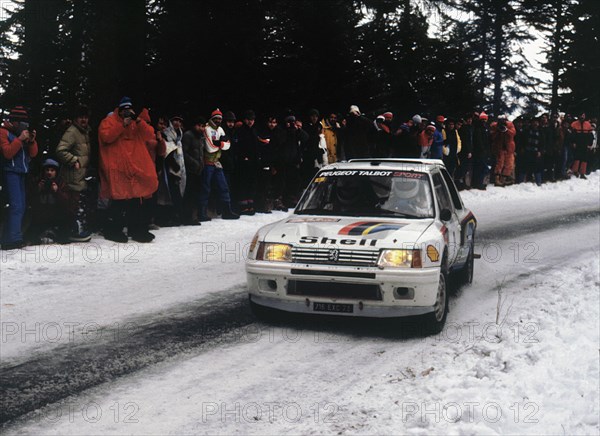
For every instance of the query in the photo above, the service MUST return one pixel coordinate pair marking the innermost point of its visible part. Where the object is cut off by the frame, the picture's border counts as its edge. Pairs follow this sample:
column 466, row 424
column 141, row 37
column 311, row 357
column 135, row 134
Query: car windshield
column 377, row 193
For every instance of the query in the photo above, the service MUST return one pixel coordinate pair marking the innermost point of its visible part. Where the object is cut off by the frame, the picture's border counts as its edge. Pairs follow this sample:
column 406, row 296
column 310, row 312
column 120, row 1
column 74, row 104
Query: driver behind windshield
column 409, row 196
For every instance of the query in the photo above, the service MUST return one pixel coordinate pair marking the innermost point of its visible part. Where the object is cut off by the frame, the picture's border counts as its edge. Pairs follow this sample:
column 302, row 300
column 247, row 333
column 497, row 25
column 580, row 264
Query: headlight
column 274, row 252
column 400, row 259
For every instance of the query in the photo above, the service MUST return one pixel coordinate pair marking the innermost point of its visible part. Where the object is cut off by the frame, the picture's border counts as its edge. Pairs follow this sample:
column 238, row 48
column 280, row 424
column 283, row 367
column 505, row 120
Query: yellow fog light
column 274, row 252
column 400, row 259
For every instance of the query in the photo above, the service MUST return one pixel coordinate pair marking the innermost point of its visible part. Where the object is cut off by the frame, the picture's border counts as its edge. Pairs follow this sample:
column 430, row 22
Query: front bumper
column 269, row 285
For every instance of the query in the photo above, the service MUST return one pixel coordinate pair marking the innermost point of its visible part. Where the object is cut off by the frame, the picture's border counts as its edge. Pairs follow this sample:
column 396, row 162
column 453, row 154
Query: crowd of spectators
column 156, row 172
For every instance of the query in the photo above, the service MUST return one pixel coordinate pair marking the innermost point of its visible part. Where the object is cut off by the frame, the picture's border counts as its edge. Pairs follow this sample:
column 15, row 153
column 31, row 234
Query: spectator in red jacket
column 127, row 172
column 503, row 134
column 17, row 147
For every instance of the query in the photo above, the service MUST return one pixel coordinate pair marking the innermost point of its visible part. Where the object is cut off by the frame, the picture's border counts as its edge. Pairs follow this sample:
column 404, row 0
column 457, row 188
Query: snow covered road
column 192, row 359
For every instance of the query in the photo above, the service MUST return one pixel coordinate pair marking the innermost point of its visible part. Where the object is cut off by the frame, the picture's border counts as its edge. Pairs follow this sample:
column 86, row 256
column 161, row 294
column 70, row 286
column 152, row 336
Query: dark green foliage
column 191, row 56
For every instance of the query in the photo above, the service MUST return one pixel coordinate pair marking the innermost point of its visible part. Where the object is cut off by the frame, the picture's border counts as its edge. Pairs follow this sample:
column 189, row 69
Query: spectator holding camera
column 17, row 146
column 50, row 220
column 73, row 152
column 127, row 172
column 502, row 134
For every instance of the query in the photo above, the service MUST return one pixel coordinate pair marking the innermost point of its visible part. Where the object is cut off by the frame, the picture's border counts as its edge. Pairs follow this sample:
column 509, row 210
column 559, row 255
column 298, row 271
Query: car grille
column 342, row 257
column 353, row 291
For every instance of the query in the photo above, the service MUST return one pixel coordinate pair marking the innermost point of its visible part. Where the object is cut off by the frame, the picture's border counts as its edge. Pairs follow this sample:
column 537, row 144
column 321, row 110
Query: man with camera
column 127, row 172
column 17, row 146
column 503, row 134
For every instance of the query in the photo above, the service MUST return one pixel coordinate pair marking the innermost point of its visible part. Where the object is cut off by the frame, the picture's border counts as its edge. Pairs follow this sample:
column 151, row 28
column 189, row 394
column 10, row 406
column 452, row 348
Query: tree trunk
column 497, row 61
column 556, row 56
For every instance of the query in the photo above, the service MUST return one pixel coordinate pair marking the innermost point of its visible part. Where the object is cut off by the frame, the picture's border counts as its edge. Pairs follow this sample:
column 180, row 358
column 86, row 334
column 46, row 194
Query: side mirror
column 445, row 215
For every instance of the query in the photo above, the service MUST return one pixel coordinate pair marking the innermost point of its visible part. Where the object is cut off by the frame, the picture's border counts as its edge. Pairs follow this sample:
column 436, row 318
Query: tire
column 434, row 322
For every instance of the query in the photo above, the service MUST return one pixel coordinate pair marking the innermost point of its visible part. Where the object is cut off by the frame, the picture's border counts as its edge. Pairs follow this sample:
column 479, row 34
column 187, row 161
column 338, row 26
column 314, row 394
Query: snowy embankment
column 526, row 365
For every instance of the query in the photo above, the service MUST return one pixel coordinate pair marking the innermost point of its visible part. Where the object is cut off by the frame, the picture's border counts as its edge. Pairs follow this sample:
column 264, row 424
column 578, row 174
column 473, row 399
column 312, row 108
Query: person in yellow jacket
column 452, row 146
column 330, row 130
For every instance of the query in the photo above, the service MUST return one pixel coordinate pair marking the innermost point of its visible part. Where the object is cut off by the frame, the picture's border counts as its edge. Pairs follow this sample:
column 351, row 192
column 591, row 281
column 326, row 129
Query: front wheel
column 434, row 322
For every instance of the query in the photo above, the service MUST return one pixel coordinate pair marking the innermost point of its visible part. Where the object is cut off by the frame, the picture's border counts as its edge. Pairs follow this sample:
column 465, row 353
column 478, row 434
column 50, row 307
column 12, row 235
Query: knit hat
column 440, row 118
column 417, row 119
column 380, row 118
column 50, row 163
column 125, row 103
column 229, row 116
column 312, row 112
column 249, row 115
column 176, row 117
column 216, row 114
column 290, row 119
column 388, row 116
column 430, row 127
column 354, row 110
column 18, row 113
column 483, row 116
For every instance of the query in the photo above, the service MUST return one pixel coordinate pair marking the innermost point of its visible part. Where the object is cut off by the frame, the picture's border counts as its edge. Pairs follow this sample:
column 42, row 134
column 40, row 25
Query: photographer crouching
column 127, row 172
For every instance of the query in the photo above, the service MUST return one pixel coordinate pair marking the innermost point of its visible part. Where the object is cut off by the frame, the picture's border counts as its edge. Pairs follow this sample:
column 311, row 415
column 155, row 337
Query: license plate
column 333, row 307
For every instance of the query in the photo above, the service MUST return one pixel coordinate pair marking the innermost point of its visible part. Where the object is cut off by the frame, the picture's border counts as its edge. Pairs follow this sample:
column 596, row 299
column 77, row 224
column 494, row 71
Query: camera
column 129, row 114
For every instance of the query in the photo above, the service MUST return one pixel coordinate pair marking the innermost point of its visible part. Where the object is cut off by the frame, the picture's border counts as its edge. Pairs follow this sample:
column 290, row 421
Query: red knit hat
column 388, row 116
column 216, row 113
column 440, row 118
column 18, row 113
column 483, row 116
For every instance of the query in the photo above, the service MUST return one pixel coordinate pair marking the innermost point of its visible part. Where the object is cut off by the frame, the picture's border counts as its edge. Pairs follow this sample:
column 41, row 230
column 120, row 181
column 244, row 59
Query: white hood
column 331, row 230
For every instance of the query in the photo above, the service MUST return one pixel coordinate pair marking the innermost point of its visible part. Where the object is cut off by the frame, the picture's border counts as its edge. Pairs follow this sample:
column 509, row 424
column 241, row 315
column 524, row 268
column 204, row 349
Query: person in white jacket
column 216, row 140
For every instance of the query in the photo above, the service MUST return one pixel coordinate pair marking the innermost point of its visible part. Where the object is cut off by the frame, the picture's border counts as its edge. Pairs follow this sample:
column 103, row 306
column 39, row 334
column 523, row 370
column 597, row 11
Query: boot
column 228, row 213
column 508, row 180
column 202, row 214
column 498, row 181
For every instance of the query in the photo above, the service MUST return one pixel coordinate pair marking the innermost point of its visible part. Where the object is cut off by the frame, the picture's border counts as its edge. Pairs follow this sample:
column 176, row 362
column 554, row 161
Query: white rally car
column 374, row 238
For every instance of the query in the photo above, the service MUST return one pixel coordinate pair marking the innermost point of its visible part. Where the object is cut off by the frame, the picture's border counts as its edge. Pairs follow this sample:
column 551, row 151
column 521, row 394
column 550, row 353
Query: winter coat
column 331, row 139
column 216, row 140
column 291, row 151
column 270, row 144
column 466, row 138
column 73, row 147
column 481, row 140
column 503, row 140
column 358, row 132
column 247, row 145
column 453, row 141
column 193, row 152
column 310, row 147
column 15, row 159
column 126, row 167
column 582, row 133
column 227, row 157
column 46, row 197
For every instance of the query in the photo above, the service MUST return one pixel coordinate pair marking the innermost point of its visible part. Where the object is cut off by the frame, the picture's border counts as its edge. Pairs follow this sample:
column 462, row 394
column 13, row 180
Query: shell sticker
column 432, row 253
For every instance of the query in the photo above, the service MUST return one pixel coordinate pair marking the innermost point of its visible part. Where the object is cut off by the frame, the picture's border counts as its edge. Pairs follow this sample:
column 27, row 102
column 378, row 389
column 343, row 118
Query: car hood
column 332, row 230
